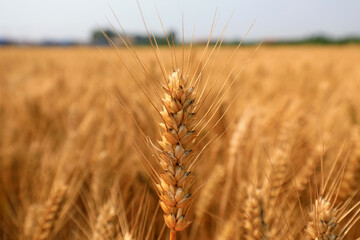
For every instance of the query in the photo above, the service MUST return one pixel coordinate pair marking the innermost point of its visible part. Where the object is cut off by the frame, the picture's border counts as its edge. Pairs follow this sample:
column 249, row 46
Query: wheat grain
column 178, row 135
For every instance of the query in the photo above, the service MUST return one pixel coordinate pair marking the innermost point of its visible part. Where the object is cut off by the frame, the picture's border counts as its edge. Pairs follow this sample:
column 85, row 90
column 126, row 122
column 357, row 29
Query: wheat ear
column 51, row 212
column 177, row 138
column 351, row 179
column 253, row 212
column 105, row 227
column 32, row 220
column 323, row 221
column 205, row 198
column 236, row 142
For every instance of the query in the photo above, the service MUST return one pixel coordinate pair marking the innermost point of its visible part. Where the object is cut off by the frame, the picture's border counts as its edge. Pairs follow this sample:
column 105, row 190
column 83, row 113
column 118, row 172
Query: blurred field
column 296, row 115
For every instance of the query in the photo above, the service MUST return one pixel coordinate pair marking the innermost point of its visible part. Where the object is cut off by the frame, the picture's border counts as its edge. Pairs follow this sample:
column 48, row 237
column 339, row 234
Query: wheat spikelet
column 178, row 135
column 273, row 186
column 32, row 219
column 237, row 140
column 208, row 193
column 51, row 212
column 301, row 180
column 253, row 215
column 351, row 178
column 281, row 163
column 105, row 227
column 239, row 209
column 206, row 197
column 323, row 221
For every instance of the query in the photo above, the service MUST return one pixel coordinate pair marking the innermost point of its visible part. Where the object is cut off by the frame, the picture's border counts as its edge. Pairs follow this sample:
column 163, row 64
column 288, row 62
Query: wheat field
column 277, row 148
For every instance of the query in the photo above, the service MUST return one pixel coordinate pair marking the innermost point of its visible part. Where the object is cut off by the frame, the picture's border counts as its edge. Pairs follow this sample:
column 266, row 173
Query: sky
column 38, row 20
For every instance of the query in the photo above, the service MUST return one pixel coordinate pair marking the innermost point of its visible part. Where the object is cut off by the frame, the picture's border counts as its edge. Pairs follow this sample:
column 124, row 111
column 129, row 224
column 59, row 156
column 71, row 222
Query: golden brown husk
column 178, row 135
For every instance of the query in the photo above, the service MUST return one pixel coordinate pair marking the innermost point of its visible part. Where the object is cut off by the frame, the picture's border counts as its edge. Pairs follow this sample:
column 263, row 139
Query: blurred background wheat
column 61, row 128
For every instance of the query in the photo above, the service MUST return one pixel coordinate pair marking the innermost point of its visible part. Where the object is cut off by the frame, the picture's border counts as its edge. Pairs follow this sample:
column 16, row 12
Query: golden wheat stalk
column 178, row 135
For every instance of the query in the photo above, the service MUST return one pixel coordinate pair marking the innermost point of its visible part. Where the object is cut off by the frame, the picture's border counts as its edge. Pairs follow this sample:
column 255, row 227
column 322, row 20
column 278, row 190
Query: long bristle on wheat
column 177, row 139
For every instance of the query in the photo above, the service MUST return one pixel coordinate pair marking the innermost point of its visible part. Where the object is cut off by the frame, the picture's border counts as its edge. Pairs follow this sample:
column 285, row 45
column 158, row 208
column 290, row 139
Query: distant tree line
column 314, row 40
column 98, row 38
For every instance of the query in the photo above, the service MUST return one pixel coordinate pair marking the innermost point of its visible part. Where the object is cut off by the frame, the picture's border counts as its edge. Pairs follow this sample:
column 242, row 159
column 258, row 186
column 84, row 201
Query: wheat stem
column 172, row 235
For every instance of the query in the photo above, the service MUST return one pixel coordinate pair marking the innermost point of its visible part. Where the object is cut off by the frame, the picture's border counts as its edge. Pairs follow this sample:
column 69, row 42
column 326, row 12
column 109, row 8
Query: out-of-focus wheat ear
column 241, row 196
column 351, row 178
column 205, row 198
column 253, row 223
column 105, row 227
column 300, row 184
column 323, row 223
column 32, row 219
column 237, row 140
column 279, row 171
column 51, row 211
column 302, row 179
